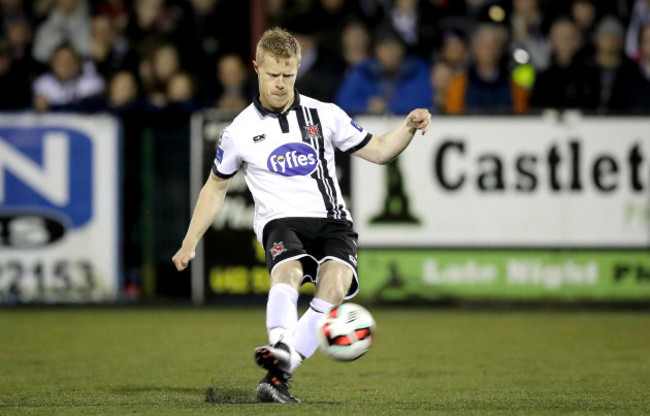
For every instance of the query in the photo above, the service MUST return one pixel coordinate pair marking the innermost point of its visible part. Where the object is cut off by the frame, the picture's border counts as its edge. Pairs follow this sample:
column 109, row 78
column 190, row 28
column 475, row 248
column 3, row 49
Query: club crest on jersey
column 293, row 159
column 312, row 132
column 277, row 249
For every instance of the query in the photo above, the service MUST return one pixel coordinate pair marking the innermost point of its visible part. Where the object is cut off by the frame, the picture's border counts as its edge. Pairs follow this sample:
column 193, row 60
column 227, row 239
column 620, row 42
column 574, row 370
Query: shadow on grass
column 229, row 395
column 158, row 389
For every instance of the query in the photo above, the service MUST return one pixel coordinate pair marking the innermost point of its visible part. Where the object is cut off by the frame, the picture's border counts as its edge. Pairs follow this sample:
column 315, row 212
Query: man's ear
column 257, row 67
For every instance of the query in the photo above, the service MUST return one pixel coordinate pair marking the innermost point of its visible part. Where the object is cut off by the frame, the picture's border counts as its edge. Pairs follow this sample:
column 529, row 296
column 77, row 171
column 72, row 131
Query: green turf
column 425, row 361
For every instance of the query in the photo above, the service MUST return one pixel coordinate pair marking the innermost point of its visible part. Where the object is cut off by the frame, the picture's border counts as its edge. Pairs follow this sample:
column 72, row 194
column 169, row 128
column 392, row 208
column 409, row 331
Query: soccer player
column 284, row 142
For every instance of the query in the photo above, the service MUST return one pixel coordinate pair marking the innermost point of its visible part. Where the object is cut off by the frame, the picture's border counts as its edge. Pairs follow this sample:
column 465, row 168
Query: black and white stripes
column 312, row 134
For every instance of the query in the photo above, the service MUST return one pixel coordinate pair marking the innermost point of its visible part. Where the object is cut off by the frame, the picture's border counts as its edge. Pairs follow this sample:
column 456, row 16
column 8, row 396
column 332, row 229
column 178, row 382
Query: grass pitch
column 425, row 361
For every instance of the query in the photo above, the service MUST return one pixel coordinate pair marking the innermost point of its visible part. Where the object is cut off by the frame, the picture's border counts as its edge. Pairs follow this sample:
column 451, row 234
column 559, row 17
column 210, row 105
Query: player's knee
column 333, row 294
column 334, row 283
column 289, row 273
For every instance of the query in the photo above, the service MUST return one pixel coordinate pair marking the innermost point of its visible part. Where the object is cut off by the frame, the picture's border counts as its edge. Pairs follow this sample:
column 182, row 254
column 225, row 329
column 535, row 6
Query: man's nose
column 279, row 83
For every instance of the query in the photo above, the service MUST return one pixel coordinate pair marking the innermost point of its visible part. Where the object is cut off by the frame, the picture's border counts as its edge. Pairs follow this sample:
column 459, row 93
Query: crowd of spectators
column 118, row 55
column 368, row 56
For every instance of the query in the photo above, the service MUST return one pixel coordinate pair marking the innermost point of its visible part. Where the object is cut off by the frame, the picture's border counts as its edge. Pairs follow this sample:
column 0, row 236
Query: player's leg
column 282, row 302
column 337, row 280
column 281, row 318
column 285, row 356
column 334, row 281
column 284, row 256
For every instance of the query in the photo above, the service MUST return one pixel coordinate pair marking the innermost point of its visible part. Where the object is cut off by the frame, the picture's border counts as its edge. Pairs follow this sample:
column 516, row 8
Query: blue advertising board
column 59, row 217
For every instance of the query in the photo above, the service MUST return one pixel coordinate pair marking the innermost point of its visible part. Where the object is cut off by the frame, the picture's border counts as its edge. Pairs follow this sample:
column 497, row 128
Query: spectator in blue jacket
column 388, row 82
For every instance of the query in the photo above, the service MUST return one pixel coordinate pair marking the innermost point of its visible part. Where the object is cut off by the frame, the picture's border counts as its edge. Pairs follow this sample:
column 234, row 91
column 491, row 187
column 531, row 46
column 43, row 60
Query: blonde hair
column 279, row 43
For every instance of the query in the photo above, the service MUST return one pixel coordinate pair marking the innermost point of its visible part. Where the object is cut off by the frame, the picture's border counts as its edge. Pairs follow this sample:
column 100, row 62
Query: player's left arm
column 383, row 149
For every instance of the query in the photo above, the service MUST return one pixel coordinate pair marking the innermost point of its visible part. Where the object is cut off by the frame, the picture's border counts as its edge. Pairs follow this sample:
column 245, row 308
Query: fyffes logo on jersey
column 293, row 159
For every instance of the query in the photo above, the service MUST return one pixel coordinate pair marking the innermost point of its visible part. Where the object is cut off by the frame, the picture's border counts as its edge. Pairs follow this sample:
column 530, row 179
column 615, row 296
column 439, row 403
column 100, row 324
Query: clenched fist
column 182, row 258
column 420, row 118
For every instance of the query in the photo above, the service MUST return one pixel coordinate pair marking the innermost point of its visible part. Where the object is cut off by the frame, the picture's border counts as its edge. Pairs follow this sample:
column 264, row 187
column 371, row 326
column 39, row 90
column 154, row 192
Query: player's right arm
column 207, row 207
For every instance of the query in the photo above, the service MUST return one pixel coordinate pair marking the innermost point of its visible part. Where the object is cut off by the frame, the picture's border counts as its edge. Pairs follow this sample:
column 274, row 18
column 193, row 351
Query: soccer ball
column 346, row 332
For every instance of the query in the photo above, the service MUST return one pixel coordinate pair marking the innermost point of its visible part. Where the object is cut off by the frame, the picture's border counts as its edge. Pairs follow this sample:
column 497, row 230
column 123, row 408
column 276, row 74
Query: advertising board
column 59, row 208
column 507, row 208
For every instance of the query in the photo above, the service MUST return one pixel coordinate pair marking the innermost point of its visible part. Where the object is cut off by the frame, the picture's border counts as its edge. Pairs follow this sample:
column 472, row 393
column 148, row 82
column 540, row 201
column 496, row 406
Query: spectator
column 39, row 10
column 631, row 94
column 109, row 51
column 526, row 29
column 640, row 18
column 454, row 51
column 389, row 82
column 583, row 13
column 117, row 12
column 155, row 73
column 609, row 59
column 19, row 38
column 211, row 29
column 181, row 96
column 123, row 92
column 180, row 88
column 154, row 21
column 10, row 11
column 14, row 83
column 320, row 71
column 355, row 43
column 166, row 62
column 331, row 16
column 234, row 89
column 68, row 22
column 414, row 27
column 275, row 11
column 121, row 98
column 486, row 86
column 68, row 81
column 372, row 12
column 145, row 21
column 568, row 82
column 441, row 76
column 123, row 101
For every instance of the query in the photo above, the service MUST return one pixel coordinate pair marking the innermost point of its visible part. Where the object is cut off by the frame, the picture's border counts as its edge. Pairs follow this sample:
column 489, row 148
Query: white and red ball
column 346, row 332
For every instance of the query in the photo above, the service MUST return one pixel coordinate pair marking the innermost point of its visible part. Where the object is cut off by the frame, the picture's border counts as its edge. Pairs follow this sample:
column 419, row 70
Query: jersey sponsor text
column 293, row 159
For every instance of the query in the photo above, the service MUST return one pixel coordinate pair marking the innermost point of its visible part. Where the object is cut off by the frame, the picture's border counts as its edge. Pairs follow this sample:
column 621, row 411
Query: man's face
column 390, row 54
column 487, row 49
column 610, row 43
column 276, row 80
column 231, row 71
column 564, row 38
column 65, row 64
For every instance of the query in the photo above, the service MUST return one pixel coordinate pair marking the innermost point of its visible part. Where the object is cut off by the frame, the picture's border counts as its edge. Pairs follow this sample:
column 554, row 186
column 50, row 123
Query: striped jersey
column 288, row 159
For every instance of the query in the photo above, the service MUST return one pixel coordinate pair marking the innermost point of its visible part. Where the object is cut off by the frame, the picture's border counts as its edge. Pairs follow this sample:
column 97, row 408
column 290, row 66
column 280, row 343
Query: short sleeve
column 349, row 136
column 227, row 161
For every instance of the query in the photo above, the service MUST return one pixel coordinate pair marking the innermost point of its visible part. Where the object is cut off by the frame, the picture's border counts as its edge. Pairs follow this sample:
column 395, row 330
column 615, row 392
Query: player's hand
column 420, row 118
column 182, row 258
